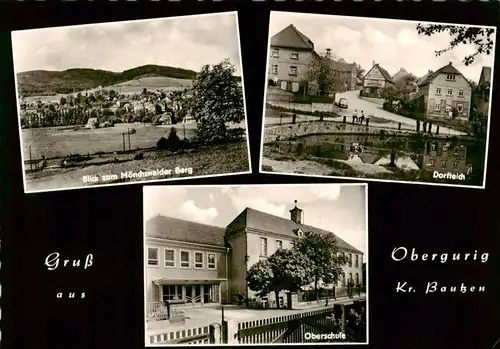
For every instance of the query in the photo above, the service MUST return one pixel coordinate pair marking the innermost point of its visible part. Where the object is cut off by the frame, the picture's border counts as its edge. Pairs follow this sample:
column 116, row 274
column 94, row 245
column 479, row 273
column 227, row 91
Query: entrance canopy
column 161, row 282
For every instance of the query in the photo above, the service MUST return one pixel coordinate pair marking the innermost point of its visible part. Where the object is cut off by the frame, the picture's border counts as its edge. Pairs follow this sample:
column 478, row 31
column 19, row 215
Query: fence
column 338, row 292
column 332, row 321
column 197, row 335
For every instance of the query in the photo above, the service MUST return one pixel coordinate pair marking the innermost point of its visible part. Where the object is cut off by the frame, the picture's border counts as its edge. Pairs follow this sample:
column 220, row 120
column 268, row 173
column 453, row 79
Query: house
column 92, row 123
column 255, row 235
column 186, row 261
column 200, row 264
column 445, row 93
column 484, row 80
column 401, row 74
column 376, row 79
column 444, row 157
column 347, row 75
column 291, row 54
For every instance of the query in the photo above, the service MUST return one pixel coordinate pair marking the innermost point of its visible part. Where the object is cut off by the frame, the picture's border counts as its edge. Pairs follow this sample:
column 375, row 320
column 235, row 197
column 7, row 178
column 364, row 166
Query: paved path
column 200, row 317
column 371, row 108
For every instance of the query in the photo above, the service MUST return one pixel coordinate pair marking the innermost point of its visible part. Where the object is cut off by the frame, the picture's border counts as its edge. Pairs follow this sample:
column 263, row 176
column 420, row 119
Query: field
column 128, row 87
column 63, row 141
column 221, row 159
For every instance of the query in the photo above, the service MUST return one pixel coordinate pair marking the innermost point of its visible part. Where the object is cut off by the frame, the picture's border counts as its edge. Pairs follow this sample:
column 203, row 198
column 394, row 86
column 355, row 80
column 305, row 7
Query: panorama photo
column 380, row 99
column 256, row 264
column 133, row 101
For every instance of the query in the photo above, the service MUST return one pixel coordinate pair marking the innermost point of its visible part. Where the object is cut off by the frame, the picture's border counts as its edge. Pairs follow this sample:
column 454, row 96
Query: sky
column 338, row 208
column 394, row 44
column 186, row 42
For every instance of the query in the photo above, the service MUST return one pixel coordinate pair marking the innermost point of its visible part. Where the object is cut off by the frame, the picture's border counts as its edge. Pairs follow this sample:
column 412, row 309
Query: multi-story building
column 186, row 261
column 197, row 263
column 291, row 53
column 445, row 93
column 376, row 79
column 484, row 80
column 441, row 156
column 291, row 57
column 255, row 235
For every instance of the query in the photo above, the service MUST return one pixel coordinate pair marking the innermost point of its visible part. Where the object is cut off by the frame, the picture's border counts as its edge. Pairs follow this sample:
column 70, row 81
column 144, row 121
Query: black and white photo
column 255, row 264
column 133, row 101
column 378, row 99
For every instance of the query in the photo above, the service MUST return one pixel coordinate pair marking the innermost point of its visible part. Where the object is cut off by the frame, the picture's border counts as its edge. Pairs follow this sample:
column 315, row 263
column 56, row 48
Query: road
column 374, row 109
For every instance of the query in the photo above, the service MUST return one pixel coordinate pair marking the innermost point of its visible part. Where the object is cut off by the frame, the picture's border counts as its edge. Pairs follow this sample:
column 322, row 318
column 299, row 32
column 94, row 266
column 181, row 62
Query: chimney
column 328, row 55
column 450, row 64
column 373, row 63
column 296, row 214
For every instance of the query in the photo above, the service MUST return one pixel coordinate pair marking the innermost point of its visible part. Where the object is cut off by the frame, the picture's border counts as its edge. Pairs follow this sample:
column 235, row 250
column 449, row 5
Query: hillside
column 42, row 82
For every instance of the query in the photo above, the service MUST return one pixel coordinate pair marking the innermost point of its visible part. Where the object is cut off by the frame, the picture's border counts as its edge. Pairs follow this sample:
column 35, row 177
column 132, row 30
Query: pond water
column 407, row 153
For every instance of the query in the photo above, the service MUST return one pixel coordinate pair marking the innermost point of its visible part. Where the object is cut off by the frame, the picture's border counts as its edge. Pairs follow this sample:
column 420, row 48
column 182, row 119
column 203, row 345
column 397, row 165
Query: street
column 373, row 109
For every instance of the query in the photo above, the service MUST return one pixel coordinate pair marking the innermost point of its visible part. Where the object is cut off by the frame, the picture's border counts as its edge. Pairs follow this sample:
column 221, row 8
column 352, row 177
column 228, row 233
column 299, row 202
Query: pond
column 407, row 153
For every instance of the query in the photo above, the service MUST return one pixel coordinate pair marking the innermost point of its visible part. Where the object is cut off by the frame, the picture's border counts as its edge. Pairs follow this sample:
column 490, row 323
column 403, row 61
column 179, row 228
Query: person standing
column 355, row 116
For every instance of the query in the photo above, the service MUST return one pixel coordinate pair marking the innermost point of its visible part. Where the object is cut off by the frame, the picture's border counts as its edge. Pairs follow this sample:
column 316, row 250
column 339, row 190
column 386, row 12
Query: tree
column 360, row 72
column 284, row 270
column 158, row 109
column 176, row 106
column 322, row 72
column 326, row 259
column 62, row 101
column 481, row 38
column 216, row 100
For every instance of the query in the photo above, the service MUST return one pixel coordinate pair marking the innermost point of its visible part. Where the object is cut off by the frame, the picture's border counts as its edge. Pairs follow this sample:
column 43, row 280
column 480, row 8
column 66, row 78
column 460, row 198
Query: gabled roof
column 447, row 69
column 425, row 77
column 343, row 66
column 290, row 37
column 485, row 75
column 266, row 222
column 180, row 230
column 384, row 73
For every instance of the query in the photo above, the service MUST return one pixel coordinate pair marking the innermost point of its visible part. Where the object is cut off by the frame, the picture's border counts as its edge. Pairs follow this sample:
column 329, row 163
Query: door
column 207, row 297
column 189, row 293
column 197, row 293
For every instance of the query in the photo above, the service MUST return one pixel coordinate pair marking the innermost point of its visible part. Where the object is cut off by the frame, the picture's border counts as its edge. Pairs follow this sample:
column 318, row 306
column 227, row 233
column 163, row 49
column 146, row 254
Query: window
column 350, row 259
column 279, row 244
column 438, row 91
column 443, row 163
column 169, row 258
column 153, row 256
column 198, row 260
column 185, row 259
column 295, row 86
column 172, row 292
column 211, row 261
column 293, row 70
column 448, row 108
column 456, row 151
column 263, row 246
column 433, row 147
column 295, row 55
column 350, row 278
column 432, row 162
column 357, row 262
column 455, row 164
column 437, row 106
column 275, row 53
column 357, row 278
column 343, row 278
column 450, row 92
column 460, row 108
column 460, row 93
column 450, row 77
column 274, row 69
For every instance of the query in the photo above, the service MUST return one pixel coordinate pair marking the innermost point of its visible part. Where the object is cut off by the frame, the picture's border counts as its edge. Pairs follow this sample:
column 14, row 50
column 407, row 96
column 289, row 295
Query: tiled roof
column 292, row 38
column 343, row 66
column 180, row 230
column 447, row 69
column 269, row 223
column 384, row 72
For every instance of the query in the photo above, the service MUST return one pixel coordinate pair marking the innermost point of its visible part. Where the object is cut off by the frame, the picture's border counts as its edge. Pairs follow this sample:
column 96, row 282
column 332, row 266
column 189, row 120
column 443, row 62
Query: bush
column 139, row 156
column 162, row 143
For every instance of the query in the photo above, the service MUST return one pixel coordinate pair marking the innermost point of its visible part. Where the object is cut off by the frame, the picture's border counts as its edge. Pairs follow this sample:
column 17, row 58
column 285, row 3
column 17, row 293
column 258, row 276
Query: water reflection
column 406, row 153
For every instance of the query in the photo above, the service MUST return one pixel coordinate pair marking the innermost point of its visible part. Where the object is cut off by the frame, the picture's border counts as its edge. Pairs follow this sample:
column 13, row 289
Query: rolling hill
column 43, row 83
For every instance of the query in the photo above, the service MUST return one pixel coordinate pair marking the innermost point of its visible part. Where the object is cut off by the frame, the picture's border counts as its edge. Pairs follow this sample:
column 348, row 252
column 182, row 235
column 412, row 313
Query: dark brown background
column 108, row 221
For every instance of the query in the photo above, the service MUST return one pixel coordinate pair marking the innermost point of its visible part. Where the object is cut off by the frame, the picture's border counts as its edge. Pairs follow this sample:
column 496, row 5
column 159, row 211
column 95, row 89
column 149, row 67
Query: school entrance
column 195, row 292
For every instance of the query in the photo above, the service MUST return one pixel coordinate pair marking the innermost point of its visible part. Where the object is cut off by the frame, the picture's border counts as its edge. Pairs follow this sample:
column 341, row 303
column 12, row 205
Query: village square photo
column 255, row 264
column 380, row 99
column 132, row 101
